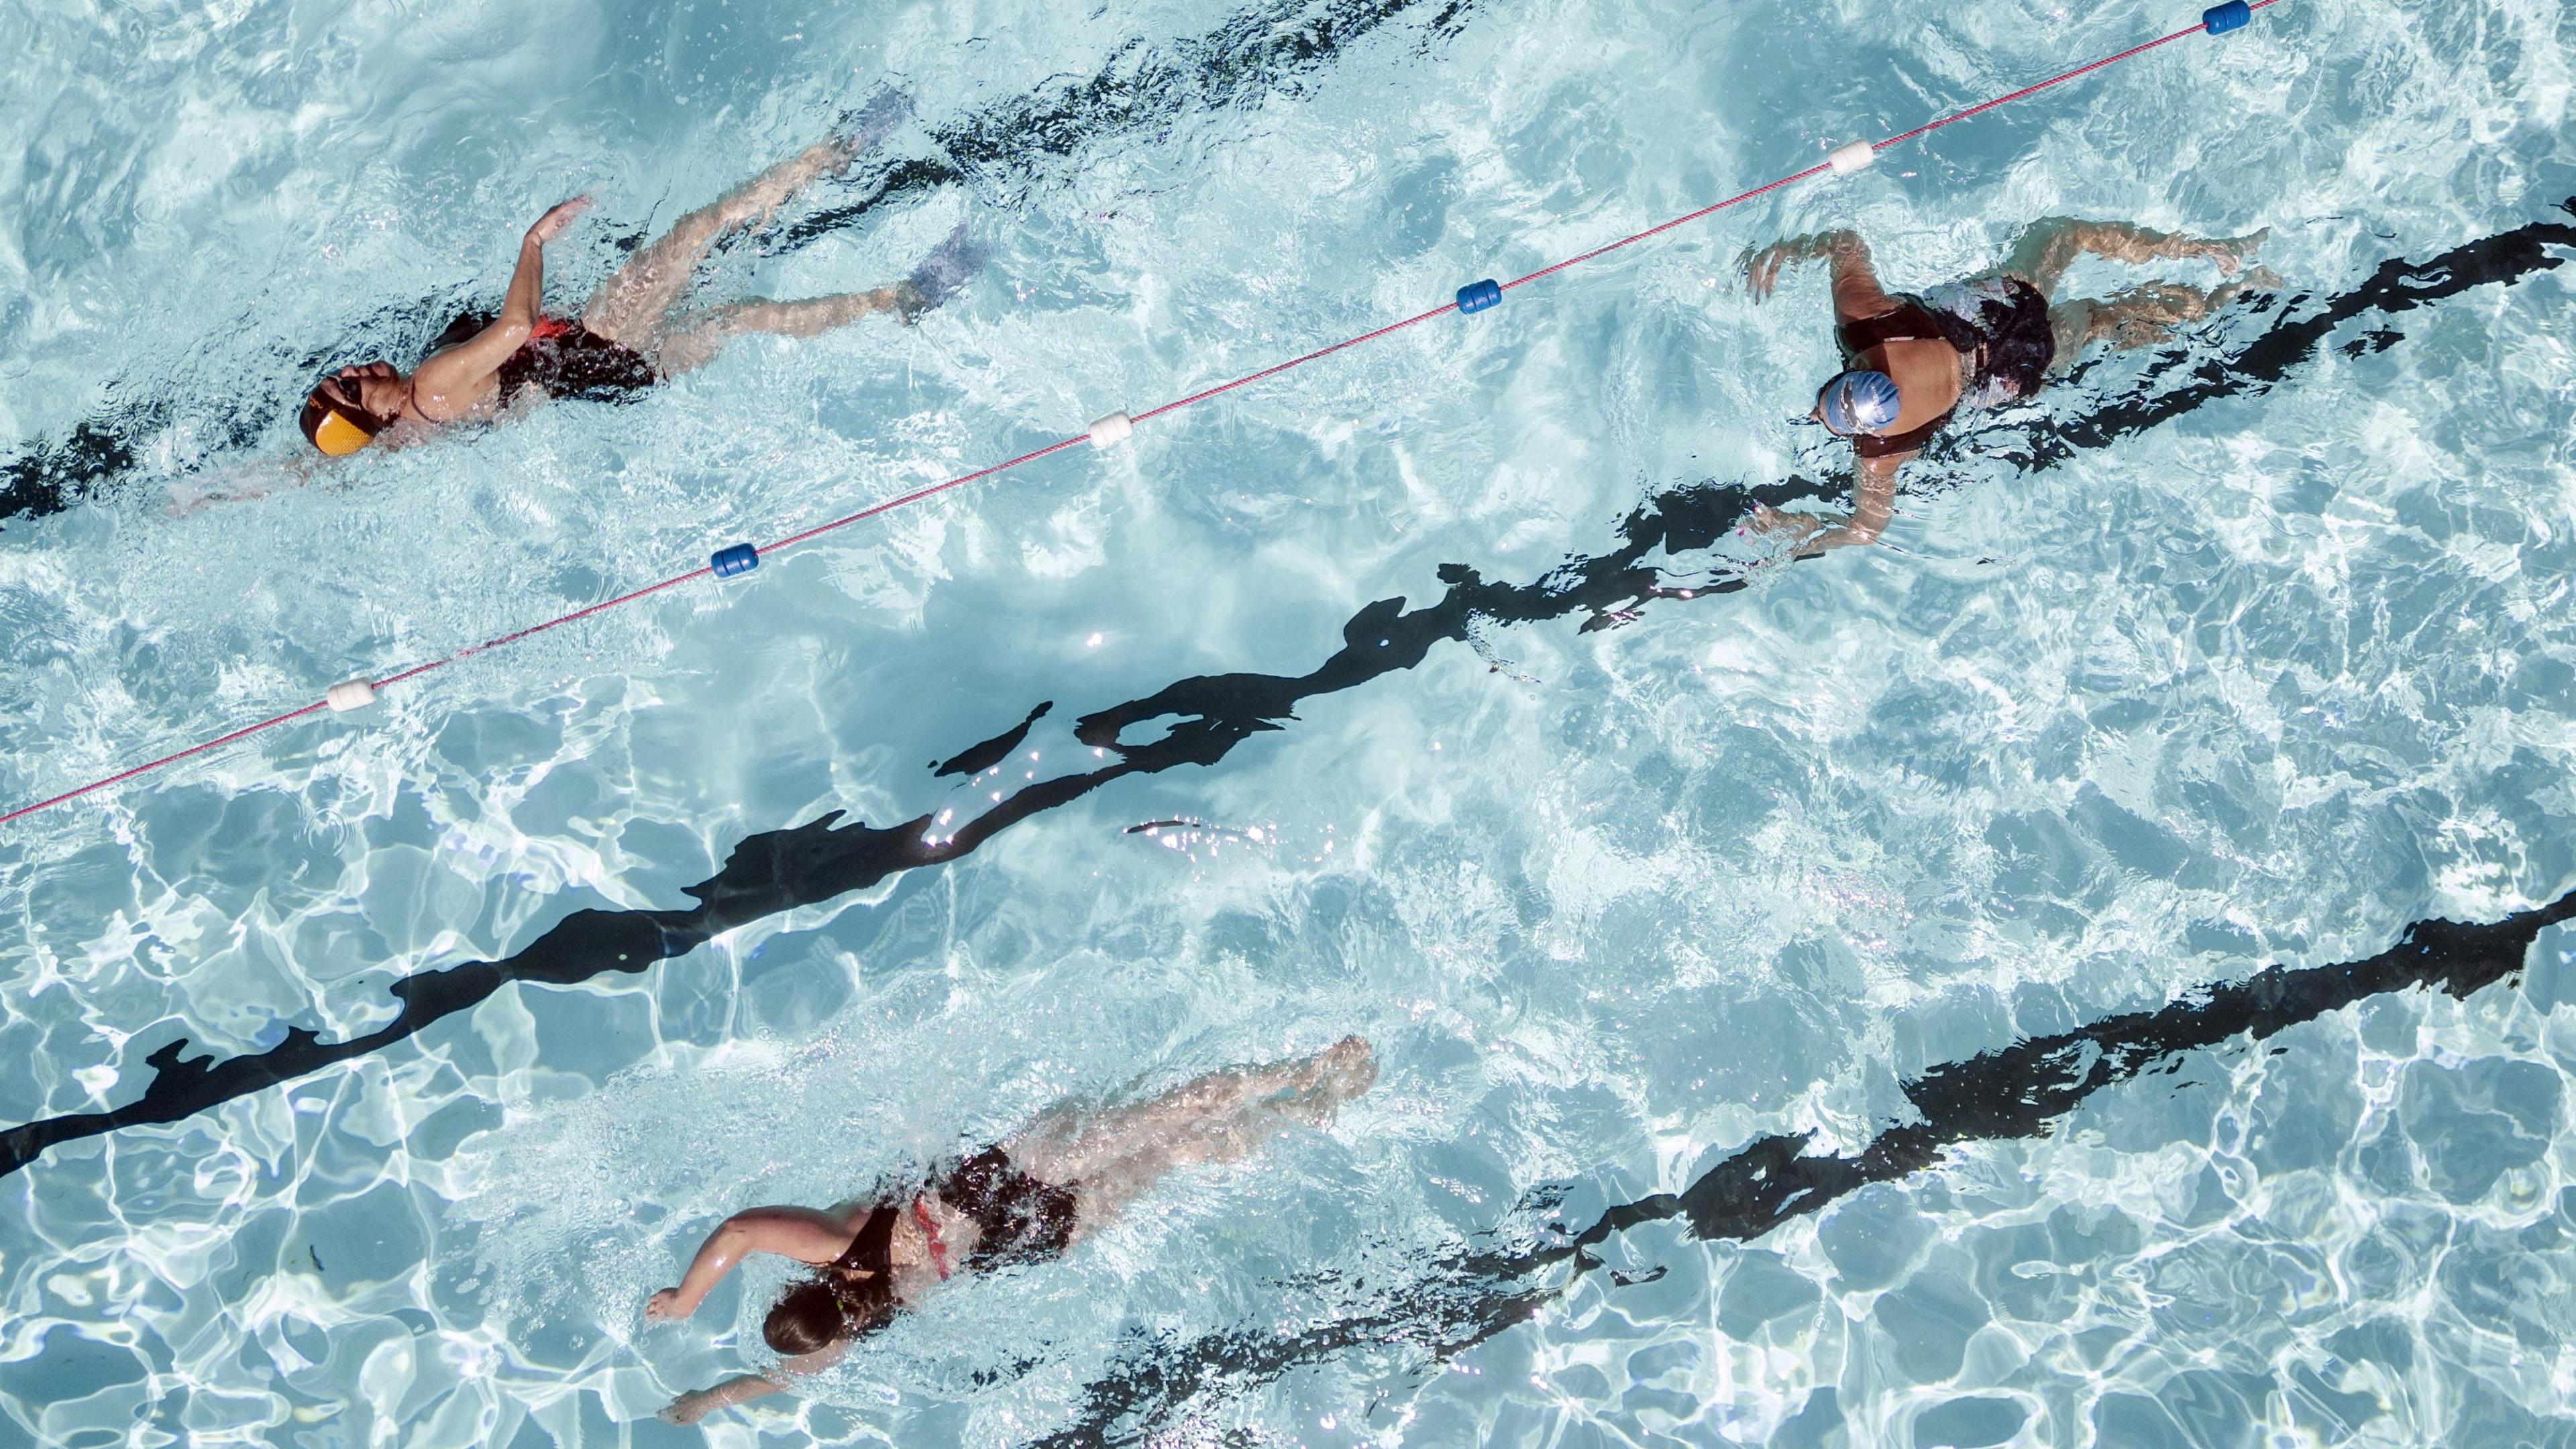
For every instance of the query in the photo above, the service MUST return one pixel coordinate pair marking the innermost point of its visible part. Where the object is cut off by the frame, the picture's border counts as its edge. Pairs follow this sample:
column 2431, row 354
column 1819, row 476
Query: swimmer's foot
column 941, row 275
column 1350, row 1068
column 858, row 134
column 861, row 130
column 1324, row 1081
column 2232, row 253
column 2255, row 282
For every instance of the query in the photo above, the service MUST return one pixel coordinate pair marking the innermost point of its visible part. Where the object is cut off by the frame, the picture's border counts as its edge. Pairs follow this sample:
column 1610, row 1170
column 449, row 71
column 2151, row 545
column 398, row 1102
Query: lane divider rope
column 1118, row 427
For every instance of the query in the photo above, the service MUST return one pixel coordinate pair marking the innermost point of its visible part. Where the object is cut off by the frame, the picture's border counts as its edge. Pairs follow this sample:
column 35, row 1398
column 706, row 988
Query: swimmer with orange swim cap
column 627, row 337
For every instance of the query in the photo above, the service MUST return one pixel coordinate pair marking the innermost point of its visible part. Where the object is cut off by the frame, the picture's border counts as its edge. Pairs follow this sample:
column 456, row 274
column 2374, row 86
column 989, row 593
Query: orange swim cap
column 334, row 426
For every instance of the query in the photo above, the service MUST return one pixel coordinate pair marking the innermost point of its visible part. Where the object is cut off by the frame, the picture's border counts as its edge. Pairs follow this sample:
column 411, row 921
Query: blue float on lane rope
column 2218, row 19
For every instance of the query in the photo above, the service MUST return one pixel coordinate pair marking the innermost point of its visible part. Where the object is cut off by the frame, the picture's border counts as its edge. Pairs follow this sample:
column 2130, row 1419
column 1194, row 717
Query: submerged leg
column 632, row 305
column 2050, row 246
column 1111, row 1158
column 696, row 343
column 2141, row 316
column 940, row 276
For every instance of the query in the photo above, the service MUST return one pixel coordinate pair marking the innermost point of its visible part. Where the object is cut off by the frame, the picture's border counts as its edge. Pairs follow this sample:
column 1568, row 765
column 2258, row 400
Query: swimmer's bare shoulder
column 464, row 381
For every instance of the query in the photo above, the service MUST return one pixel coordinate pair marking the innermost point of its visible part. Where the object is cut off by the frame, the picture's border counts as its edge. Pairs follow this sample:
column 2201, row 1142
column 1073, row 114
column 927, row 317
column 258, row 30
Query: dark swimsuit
column 868, row 1301
column 562, row 360
column 1999, row 325
column 1022, row 1220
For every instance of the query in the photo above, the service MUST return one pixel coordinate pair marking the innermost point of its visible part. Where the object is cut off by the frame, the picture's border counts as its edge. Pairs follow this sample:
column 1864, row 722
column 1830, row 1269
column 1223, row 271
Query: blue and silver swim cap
column 1858, row 402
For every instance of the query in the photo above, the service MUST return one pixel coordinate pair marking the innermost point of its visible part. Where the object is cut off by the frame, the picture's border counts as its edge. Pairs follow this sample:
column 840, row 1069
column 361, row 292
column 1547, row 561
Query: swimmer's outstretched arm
column 1857, row 295
column 1856, row 290
column 451, row 383
column 696, row 1404
column 804, row 1234
column 1873, row 504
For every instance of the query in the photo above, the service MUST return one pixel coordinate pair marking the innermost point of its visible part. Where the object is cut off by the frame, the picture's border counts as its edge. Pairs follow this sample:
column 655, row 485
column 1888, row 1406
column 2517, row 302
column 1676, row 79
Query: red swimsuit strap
column 930, row 1230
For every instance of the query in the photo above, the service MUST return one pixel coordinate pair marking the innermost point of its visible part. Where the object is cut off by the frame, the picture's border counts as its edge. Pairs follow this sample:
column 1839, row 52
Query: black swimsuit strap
column 871, row 1249
column 1881, row 445
column 1908, row 322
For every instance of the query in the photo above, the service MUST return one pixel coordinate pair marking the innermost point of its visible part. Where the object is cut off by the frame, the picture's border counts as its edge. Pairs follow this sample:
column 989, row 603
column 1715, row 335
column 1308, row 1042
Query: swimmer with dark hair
column 1912, row 363
column 632, row 332
column 1027, row 1200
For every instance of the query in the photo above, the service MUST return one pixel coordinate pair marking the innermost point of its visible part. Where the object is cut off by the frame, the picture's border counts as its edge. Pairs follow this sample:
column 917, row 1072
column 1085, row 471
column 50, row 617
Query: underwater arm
column 1873, row 504
column 256, row 479
column 791, row 1232
column 690, row 1407
column 451, row 382
column 696, row 1404
column 1856, row 290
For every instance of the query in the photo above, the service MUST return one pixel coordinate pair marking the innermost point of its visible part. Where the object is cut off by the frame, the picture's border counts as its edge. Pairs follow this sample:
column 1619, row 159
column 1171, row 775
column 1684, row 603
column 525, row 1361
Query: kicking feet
column 941, row 275
column 861, row 130
column 859, row 133
column 2232, row 253
column 1324, row 1081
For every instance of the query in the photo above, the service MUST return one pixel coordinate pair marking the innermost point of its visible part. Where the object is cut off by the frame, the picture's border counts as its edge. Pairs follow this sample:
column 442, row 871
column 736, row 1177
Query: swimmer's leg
column 940, row 276
column 1111, row 1158
column 632, row 306
column 2144, row 316
column 696, row 343
column 2050, row 246
column 2070, row 330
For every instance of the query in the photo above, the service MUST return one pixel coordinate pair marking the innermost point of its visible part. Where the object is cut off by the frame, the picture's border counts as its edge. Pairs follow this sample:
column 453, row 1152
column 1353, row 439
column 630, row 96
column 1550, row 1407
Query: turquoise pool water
column 2234, row 655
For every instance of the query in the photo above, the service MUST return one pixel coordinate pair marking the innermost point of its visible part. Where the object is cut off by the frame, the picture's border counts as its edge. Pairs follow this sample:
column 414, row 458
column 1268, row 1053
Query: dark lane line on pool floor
column 977, row 758
column 2020, row 1091
column 781, row 870
column 1265, row 51
column 1014, row 148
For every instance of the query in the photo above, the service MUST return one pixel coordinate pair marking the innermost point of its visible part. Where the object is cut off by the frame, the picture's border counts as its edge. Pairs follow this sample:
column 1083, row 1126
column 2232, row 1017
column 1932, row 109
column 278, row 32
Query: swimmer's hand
column 1762, row 269
column 557, row 217
column 1806, row 535
column 664, row 1307
column 1768, row 520
column 696, row 1404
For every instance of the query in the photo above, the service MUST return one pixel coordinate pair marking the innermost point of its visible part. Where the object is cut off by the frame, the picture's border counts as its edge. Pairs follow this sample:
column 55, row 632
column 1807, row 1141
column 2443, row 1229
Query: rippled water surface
column 1617, row 883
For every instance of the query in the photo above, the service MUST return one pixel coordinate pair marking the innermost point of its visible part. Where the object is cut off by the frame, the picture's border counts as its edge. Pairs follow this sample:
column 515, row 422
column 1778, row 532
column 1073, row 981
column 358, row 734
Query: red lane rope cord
column 908, row 499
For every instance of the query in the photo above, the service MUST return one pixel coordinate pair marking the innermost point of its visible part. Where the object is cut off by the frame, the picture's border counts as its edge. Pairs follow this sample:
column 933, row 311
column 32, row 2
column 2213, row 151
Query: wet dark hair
column 808, row 1317
column 820, row 1312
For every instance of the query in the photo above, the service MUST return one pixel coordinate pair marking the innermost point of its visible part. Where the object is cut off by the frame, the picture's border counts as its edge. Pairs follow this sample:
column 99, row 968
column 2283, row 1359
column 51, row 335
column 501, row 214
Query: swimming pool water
column 2139, row 699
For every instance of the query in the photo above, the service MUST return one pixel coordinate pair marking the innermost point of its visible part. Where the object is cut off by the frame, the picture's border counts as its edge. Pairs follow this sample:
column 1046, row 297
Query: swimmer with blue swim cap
column 1911, row 363
column 1858, row 402
column 632, row 333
